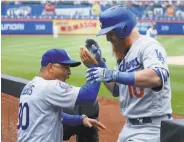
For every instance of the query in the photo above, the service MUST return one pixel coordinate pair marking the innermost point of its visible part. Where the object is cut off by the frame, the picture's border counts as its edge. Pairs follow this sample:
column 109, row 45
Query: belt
column 138, row 121
column 144, row 120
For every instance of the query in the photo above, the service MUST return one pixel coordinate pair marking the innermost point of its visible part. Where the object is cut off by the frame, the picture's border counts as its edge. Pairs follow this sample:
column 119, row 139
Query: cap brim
column 71, row 63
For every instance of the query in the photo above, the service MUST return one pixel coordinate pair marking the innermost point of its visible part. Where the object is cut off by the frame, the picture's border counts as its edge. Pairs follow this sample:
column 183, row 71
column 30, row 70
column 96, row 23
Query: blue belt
column 138, row 121
column 143, row 120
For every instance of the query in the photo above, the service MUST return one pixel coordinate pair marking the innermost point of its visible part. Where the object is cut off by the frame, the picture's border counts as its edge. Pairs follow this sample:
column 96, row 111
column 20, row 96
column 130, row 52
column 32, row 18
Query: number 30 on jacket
column 23, row 117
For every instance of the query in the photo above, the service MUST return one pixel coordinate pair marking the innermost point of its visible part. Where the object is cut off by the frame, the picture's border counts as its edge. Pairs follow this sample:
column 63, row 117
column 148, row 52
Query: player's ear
column 50, row 68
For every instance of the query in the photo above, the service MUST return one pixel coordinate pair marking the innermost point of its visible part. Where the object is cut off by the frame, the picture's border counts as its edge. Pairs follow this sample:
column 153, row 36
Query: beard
column 118, row 52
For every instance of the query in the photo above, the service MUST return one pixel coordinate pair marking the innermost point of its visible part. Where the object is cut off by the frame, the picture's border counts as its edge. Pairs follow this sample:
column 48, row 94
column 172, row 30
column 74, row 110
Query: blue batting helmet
column 117, row 18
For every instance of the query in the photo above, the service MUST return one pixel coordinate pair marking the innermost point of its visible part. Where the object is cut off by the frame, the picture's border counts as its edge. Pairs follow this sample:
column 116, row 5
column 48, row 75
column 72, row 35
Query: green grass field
column 21, row 57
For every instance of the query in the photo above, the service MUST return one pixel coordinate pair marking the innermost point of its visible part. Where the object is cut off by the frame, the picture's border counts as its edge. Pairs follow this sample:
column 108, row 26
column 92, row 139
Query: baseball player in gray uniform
column 142, row 77
column 152, row 31
column 42, row 100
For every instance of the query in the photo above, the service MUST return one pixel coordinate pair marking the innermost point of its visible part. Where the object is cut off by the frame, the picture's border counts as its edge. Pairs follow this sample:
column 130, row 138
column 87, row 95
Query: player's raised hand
column 87, row 58
column 88, row 122
column 94, row 49
column 91, row 54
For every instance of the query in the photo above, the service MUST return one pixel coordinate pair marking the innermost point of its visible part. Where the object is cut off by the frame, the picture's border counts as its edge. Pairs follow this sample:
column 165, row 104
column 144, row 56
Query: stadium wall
column 82, row 26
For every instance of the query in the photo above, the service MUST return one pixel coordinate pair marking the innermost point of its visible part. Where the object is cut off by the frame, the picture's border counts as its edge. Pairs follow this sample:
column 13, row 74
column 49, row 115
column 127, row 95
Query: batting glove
column 95, row 50
column 101, row 75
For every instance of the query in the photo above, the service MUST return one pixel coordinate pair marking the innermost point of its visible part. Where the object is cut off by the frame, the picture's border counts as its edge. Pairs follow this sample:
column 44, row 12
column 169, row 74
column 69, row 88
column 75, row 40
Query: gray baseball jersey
column 41, row 104
column 138, row 102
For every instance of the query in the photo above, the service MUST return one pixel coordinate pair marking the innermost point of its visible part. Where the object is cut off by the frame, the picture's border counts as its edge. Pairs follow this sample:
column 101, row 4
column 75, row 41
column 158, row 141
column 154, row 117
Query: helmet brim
column 108, row 29
column 104, row 31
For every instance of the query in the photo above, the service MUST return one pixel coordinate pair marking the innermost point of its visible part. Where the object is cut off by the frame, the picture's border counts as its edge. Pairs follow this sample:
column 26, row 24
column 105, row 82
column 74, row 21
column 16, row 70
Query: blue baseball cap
column 59, row 56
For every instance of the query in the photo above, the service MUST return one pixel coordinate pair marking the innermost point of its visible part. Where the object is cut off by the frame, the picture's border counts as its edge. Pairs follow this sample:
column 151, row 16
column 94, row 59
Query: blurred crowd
column 136, row 3
column 142, row 8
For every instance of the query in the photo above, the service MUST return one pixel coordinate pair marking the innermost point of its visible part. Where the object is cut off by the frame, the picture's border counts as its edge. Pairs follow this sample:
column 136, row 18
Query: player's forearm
column 88, row 93
column 113, row 88
column 147, row 78
column 109, row 86
column 72, row 120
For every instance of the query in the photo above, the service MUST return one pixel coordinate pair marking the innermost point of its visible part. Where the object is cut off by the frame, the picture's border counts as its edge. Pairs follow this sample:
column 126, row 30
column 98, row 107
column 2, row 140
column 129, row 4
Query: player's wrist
column 83, row 118
column 92, row 66
column 127, row 78
column 114, row 75
column 102, row 63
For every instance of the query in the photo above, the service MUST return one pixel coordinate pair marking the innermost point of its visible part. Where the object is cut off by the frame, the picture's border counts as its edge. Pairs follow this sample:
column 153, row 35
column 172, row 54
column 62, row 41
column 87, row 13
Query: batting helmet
column 117, row 18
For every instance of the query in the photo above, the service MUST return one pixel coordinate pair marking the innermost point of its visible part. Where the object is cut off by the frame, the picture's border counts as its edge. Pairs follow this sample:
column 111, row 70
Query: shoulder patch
column 65, row 86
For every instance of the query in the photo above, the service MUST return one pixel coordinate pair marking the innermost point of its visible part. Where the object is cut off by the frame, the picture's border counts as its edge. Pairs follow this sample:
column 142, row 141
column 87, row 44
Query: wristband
column 114, row 75
column 126, row 78
column 83, row 116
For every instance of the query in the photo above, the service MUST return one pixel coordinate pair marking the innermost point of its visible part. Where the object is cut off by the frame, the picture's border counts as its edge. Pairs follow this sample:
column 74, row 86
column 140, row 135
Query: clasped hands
column 91, row 57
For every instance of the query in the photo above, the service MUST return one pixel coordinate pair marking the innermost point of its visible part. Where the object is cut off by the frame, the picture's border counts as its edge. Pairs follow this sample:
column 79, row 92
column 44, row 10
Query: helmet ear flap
column 124, row 29
column 121, row 32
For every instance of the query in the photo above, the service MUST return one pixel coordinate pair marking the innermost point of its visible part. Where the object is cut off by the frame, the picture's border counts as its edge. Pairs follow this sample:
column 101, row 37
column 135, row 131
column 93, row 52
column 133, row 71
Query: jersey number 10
column 23, row 116
column 134, row 91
